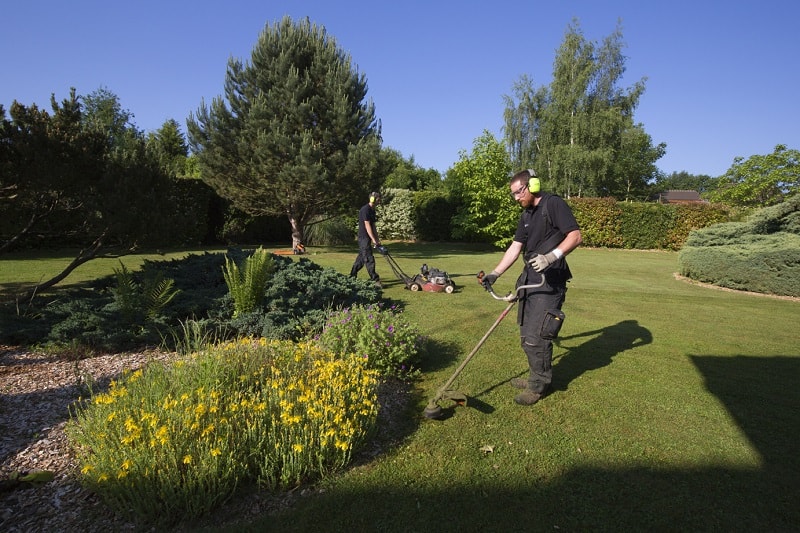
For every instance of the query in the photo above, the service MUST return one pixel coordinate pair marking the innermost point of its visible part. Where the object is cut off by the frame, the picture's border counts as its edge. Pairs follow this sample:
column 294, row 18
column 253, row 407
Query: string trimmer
column 434, row 410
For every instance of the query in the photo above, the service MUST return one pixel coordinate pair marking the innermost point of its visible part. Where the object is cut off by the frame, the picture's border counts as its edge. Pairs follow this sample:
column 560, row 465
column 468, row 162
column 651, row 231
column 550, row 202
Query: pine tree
column 293, row 135
column 168, row 147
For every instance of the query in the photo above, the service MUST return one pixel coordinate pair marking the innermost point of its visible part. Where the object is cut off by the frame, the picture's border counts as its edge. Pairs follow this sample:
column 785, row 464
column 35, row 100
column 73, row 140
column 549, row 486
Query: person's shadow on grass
column 598, row 351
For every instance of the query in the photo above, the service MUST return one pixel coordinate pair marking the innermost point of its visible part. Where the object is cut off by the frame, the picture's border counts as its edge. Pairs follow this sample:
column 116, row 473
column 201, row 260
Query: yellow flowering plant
column 175, row 440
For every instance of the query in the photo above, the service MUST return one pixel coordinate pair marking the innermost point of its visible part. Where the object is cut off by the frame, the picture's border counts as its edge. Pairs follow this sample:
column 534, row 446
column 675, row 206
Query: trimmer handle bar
column 511, row 296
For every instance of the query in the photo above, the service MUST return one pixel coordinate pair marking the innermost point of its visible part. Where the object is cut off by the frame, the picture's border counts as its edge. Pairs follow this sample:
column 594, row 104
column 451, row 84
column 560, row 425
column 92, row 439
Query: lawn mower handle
column 511, row 296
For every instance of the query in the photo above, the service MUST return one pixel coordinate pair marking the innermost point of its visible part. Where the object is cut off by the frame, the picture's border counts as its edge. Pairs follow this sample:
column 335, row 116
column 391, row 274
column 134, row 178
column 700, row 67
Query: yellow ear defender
column 534, row 184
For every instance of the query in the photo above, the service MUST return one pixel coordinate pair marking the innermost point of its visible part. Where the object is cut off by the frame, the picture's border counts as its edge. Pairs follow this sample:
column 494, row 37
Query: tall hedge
column 600, row 220
column 607, row 223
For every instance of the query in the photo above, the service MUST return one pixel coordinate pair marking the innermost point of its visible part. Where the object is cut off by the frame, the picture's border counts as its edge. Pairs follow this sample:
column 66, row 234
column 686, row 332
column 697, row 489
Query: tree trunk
column 36, row 216
column 87, row 254
column 297, row 232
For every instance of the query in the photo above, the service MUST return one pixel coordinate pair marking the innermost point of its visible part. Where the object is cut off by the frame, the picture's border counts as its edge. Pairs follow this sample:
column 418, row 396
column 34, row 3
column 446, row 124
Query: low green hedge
column 761, row 254
column 768, row 264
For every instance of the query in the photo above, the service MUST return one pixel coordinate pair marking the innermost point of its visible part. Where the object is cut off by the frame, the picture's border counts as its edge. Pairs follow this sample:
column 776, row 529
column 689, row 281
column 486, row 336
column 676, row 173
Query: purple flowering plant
column 382, row 337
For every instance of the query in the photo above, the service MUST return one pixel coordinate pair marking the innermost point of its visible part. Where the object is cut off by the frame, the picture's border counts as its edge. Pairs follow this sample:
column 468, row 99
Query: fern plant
column 149, row 298
column 157, row 292
column 248, row 284
column 126, row 292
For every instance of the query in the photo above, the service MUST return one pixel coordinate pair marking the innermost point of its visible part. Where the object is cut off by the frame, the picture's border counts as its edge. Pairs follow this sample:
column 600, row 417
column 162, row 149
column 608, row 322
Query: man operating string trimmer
column 546, row 233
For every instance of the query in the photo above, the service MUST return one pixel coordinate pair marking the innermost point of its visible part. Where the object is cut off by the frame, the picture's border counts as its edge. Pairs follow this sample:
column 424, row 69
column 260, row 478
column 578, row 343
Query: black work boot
column 528, row 397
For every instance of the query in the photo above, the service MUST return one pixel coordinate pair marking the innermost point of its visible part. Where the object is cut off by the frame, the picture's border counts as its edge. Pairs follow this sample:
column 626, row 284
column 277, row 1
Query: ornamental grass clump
column 382, row 338
column 174, row 441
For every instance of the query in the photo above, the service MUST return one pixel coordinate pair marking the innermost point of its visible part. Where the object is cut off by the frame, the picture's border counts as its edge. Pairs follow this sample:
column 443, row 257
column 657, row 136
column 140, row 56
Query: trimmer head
column 434, row 411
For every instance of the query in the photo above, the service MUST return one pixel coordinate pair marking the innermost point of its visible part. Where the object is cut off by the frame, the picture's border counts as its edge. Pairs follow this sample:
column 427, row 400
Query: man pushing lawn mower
column 368, row 239
column 546, row 233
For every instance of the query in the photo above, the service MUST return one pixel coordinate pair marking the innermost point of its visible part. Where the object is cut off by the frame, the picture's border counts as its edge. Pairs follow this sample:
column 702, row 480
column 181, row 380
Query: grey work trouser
column 365, row 259
column 536, row 343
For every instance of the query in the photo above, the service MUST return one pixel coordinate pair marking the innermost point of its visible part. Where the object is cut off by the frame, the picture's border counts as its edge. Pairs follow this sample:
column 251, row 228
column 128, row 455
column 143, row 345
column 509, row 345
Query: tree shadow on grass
column 583, row 499
column 439, row 354
column 762, row 396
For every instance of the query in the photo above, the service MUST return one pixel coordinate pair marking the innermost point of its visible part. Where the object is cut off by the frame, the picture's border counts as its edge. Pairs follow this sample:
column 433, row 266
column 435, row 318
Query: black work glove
column 489, row 279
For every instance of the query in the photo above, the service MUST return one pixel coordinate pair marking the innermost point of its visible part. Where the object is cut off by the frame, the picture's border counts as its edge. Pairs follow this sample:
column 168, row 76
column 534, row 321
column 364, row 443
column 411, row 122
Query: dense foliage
column 396, row 215
column 46, row 159
column 683, row 181
column 637, row 225
column 433, row 215
column 327, row 231
column 737, row 255
column 82, row 175
column 578, row 133
column 486, row 210
column 406, row 174
column 487, row 213
column 648, row 226
column 760, row 180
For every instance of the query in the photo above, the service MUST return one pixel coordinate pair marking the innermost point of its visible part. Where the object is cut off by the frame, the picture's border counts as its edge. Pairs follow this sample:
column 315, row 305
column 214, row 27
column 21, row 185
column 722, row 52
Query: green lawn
column 676, row 408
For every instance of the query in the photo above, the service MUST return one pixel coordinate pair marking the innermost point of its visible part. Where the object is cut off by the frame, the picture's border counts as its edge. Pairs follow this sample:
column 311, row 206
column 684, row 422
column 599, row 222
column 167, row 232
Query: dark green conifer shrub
column 761, row 254
column 296, row 300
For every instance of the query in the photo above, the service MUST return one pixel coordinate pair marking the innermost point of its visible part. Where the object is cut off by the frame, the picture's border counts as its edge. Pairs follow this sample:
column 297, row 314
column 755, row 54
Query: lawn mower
column 433, row 410
column 428, row 280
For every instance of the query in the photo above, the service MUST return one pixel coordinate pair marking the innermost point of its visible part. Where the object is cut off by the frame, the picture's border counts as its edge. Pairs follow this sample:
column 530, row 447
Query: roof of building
column 679, row 196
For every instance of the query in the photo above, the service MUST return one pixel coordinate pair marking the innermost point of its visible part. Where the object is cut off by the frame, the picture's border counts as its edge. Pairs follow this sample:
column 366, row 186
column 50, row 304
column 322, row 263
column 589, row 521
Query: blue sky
column 722, row 78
